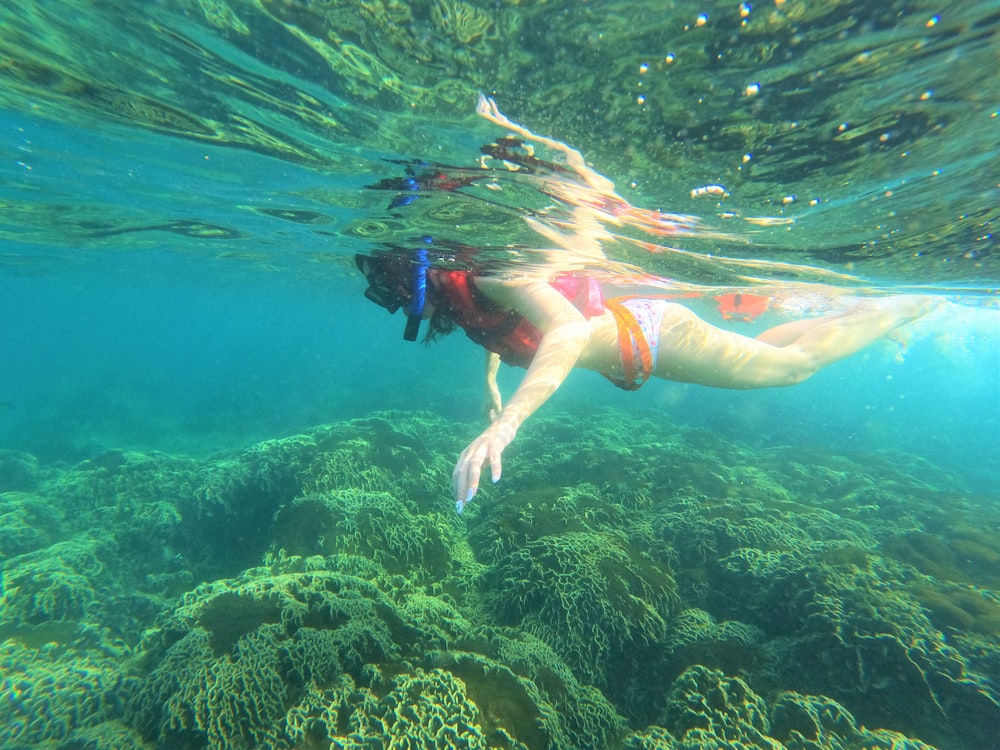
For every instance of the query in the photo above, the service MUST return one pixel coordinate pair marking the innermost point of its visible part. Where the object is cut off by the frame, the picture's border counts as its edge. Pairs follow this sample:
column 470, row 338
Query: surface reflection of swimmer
column 552, row 322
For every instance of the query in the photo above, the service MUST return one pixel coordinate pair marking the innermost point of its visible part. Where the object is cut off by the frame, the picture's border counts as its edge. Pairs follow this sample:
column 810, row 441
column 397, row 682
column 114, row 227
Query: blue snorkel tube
column 418, row 293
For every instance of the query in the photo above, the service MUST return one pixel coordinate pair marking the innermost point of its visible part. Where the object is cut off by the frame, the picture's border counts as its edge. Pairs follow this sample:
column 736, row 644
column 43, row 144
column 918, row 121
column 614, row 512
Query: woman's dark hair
column 441, row 323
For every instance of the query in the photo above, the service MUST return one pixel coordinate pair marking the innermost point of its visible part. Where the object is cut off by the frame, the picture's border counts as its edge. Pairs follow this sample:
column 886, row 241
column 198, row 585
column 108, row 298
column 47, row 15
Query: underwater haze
column 225, row 478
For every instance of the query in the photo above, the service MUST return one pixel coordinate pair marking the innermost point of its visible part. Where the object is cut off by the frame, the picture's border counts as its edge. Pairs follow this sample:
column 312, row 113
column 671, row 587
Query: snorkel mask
column 392, row 285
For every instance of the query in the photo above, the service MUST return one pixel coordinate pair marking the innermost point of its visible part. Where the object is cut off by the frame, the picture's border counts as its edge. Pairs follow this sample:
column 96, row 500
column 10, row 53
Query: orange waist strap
column 631, row 339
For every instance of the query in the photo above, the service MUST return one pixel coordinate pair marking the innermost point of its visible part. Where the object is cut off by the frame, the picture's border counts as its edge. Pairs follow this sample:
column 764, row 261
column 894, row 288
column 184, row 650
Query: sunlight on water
column 862, row 135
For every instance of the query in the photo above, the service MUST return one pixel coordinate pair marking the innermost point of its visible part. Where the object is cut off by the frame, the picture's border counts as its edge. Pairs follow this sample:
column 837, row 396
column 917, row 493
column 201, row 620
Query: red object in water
column 742, row 307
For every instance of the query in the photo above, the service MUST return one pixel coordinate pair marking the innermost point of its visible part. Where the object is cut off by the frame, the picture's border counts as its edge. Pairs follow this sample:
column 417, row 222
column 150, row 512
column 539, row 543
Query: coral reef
column 809, row 722
column 50, row 586
column 694, row 637
column 19, row 471
column 841, row 629
column 599, row 603
column 234, row 653
column 429, row 709
column 27, row 523
column 48, row 693
column 629, row 585
column 705, row 708
column 302, row 649
column 376, row 525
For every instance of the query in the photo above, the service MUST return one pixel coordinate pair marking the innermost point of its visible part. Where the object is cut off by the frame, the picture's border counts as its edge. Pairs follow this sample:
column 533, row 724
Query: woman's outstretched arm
column 493, row 403
column 565, row 333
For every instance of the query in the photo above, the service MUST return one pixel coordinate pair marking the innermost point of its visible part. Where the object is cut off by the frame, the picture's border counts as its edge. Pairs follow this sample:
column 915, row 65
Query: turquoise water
column 185, row 185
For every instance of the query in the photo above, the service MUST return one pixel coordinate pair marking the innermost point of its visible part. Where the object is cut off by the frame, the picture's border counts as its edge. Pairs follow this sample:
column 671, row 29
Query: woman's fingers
column 495, row 452
column 465, row 479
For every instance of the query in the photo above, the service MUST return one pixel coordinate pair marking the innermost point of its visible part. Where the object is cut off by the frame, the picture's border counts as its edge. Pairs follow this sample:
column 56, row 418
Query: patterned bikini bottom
column 638, row 320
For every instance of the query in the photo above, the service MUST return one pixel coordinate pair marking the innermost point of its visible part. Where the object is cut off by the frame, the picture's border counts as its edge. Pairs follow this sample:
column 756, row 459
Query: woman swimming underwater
column 555, row 323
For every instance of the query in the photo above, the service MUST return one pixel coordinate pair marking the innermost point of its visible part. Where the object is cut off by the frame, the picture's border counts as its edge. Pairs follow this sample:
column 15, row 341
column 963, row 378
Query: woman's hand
column 492, row 405
column 484, row 450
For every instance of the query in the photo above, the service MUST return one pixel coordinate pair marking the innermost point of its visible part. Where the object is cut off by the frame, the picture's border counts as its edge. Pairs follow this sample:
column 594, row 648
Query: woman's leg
column 693, row 351
column 786, row 333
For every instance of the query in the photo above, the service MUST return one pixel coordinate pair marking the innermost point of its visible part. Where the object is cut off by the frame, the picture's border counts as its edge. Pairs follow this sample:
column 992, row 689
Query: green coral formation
column 865, row 629
column 18, row 471
column 376, row 525
column 601, row 605
column 695, row 637
column 51, row 585
column 649, row 587
column 429, row 709
column 52, row 694
column 301, row 647
column 809, row 722
column 27, row 523
column 705, row 708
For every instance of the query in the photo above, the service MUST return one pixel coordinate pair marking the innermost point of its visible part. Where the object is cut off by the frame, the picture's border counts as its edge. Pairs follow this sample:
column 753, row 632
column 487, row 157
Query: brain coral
column 305, row 652
column 429, row 709
column 841, row 628
column 376, row 525
column 27, row 523
column 47, row 693
column 705, row 708
column 601, row 606
column 55, row 584
column 235, row 653
column 694, row 637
